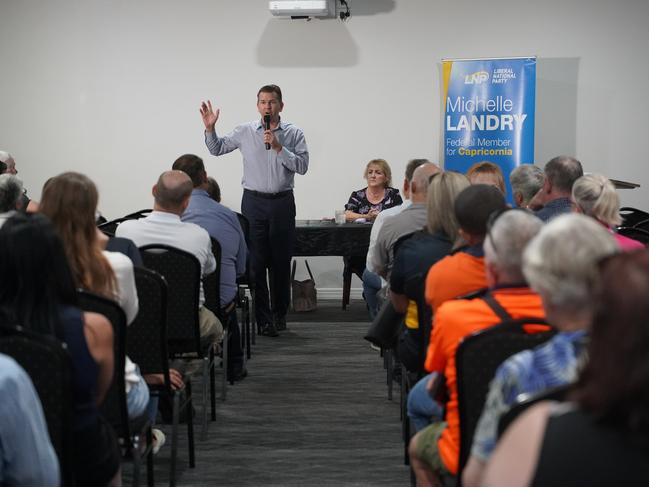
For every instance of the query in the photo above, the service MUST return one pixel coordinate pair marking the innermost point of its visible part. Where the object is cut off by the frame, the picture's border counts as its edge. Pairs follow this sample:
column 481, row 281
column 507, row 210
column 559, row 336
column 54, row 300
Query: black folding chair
column 476, row 359
column 212, row 290
column 247, row 281
column 636, row 233
column 182, row 271
column 523, row 402
column 47, row 362
column 632, row 216
column 135, row 436
column 147, row 346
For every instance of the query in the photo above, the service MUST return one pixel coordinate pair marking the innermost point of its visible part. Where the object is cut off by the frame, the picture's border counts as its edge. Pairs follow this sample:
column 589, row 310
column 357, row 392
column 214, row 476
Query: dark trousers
column 272, row 235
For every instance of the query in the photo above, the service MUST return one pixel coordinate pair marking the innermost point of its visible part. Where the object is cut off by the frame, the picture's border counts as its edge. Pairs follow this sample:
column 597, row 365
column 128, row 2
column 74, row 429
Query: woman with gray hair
column 526, row 180
column 594, row 195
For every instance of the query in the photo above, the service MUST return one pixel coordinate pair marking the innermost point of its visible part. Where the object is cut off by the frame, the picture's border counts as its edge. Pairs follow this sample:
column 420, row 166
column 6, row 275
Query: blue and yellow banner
column 489, row 113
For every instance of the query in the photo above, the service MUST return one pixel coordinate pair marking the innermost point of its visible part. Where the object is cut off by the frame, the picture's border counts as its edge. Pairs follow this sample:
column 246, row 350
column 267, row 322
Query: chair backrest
column 114, row 406
column 558, row 393
column 212, row 283
column 632, row 216
column 182, row 271
column 109, row 227
column 415, row 289
column 147, row 335
column 477, row 358
column 636, row 233
column 47, row 362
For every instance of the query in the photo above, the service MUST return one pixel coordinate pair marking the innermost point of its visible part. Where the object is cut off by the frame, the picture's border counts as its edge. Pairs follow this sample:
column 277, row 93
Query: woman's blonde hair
column 384, row 166
column 442, row 191
column 69, row 200
column 486, row 167
column 596, row 196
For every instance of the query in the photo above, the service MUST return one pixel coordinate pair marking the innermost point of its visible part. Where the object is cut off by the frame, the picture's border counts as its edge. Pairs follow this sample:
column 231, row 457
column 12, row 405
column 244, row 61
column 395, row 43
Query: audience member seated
column 37, row 292
column 163, row 226
column 372, row 282
column 11, row 190
column 559, row 264
column 486, row 172
column 8, row 166
column 26, row 453
column 595, row 196
column 435, row 450
column 417, row 254
column 410, row 220
column 70, row 201
column 601, row 437
column 526, row 180
column 463, row 271
column 223, row 225
column 213, row 189
column 553, row 198
column 368, row 202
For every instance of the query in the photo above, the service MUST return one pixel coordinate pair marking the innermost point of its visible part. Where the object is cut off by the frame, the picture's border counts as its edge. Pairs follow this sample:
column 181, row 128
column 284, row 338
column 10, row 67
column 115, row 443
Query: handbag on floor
column 303, row 293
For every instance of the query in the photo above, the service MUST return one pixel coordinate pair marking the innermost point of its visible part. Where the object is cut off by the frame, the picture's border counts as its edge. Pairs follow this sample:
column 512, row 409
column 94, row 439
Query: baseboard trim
column 337, row 293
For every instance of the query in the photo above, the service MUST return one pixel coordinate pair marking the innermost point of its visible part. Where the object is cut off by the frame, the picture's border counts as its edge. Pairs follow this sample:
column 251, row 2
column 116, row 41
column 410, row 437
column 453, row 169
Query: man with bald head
column 163, row 226
column 409, row 220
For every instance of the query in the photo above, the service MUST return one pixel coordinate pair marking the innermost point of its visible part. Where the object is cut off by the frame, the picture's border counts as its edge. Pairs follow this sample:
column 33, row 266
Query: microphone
column 267, row 127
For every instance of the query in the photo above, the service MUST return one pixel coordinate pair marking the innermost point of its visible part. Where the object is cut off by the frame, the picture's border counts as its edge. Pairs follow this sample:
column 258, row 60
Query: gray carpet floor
column 312, row 412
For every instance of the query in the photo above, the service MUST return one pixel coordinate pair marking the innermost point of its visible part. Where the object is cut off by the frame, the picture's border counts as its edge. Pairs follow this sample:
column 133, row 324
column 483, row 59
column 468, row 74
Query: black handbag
column 304, row 294
column 384, row 330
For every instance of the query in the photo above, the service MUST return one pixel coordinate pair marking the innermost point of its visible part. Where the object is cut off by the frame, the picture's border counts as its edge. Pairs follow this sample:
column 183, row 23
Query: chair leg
column 347, row 284
column 253, row 315
column 174, row 437
column 149, row 458
column 226, row 347
column 389, row 374
column 190, row 424
column 246, row 321
column 205, row 384
column 212, row 391
column 136, row 468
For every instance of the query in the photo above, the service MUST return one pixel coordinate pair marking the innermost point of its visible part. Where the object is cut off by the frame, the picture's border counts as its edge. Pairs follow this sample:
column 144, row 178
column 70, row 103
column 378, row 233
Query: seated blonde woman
column 486, row 172
column 368, row 202
column 594, row 195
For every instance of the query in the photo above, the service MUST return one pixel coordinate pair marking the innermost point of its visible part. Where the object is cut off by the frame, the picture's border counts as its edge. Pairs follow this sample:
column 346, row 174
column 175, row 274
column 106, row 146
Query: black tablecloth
column 317, row 237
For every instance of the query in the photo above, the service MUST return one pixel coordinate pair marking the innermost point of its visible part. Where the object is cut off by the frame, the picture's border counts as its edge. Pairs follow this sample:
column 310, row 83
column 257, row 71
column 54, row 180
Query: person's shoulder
column 10, row 370
column 392, row 191
column 117, row 260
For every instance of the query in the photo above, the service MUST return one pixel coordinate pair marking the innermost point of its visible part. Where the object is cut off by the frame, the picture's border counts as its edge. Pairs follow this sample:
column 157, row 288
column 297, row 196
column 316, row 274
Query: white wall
column 112, row 88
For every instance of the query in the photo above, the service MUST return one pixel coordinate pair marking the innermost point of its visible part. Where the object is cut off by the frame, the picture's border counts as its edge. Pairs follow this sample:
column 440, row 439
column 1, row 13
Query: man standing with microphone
column 273, row 151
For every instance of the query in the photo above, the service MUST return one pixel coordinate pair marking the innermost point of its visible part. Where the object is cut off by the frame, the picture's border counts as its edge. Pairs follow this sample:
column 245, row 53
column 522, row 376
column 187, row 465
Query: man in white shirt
column 163, row 226
column 372, row 282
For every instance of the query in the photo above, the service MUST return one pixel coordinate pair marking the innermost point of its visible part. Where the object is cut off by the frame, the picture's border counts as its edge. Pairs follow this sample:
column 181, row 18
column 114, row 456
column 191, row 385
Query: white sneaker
column 158, row 440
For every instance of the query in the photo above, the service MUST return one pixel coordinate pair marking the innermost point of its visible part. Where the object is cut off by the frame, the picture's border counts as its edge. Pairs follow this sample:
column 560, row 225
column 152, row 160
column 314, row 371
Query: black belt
column 269, row 196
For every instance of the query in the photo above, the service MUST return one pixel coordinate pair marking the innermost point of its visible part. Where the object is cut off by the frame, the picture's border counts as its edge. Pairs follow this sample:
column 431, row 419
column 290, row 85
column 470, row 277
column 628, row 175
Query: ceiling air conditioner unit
column 299, row 8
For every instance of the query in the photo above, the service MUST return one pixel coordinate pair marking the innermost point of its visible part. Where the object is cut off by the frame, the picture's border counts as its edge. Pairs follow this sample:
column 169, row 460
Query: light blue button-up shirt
column 223, row 225
column 264, row 170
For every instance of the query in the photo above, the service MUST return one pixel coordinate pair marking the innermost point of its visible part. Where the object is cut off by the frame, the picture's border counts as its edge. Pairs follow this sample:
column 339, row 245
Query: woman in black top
column 368, row 202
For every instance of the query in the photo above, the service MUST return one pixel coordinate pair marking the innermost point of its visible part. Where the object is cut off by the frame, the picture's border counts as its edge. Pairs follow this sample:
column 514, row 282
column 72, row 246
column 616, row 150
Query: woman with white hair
column 8, row 166
column 594, row 195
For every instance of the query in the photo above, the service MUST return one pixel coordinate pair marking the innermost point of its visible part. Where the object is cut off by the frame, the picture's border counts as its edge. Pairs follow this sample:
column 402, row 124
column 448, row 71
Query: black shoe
column 269, row 330
column 280, row 324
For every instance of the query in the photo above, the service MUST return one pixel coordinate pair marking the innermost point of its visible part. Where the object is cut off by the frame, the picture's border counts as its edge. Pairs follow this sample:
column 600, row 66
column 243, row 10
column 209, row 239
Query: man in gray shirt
column 409, row 220
column 271, row 156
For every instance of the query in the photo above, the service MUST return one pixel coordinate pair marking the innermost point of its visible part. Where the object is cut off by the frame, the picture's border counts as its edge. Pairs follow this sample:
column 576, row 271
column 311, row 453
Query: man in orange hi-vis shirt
column 434, row 451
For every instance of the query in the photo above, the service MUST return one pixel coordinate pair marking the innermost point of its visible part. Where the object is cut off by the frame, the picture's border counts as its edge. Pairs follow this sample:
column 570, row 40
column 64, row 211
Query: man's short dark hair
column 192, row 166
column 475, row 204
column 412, row 165
column 271, row 89
column 563, row 171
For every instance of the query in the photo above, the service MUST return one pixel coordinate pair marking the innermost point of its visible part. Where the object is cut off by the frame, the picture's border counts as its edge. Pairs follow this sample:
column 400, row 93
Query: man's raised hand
column 208, row 115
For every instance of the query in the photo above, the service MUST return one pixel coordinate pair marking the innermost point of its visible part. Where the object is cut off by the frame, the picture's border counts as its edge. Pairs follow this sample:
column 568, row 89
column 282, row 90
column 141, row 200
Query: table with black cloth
column 323, row 237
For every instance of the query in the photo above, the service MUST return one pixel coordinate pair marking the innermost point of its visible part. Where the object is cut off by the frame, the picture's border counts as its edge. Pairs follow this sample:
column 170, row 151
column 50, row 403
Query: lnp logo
column 476, row 78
